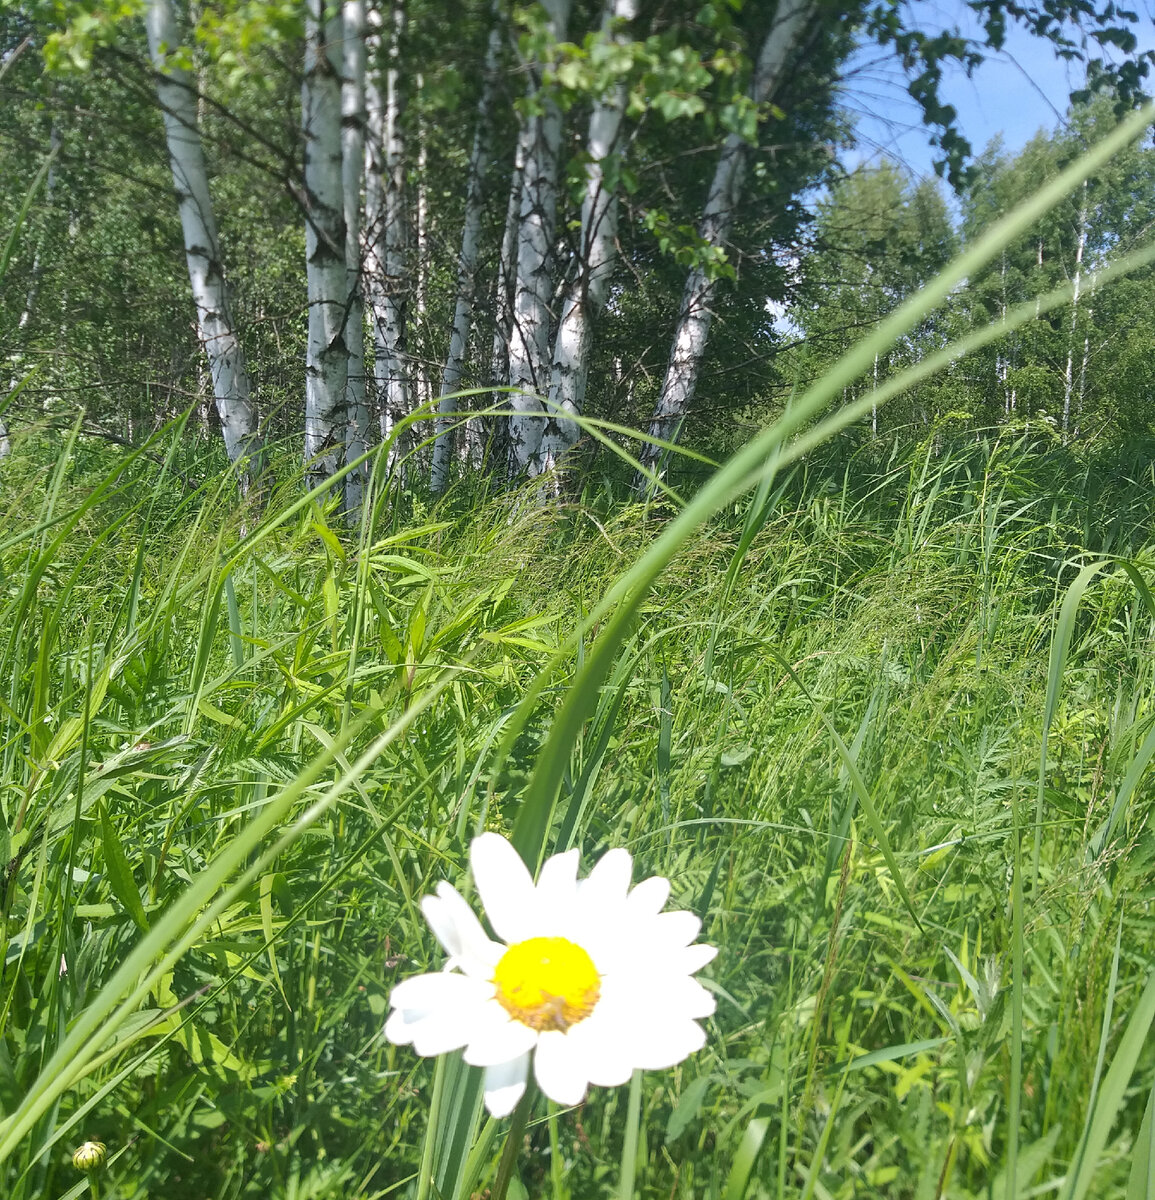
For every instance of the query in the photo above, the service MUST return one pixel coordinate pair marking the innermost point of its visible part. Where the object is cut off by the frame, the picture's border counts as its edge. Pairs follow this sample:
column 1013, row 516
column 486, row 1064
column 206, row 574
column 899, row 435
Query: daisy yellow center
column 547, row 983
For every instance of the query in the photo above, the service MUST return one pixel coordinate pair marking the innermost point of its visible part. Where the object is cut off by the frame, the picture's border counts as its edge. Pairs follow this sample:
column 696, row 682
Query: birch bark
column 1069, row 372
column 386, row 233
column 529, row 340
column 451, row 376
column 693, row 329
column 327, row 356
column 495, row 438
column 589, row 286
column 232, row 390
column 352, row 166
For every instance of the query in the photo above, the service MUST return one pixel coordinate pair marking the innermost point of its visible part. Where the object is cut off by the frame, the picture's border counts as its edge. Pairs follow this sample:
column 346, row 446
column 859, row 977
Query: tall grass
column 885, row 726
column 892, row 622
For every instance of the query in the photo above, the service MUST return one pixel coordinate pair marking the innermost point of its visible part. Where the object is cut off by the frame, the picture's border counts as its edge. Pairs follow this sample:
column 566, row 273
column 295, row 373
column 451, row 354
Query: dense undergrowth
column 880, row 632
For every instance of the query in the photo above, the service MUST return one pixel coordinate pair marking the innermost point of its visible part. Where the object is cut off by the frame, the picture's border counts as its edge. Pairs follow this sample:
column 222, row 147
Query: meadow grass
column 884, row 727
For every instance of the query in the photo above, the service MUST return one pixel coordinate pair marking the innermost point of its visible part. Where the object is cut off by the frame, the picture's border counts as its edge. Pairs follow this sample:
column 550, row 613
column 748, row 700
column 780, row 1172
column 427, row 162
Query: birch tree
column 529, row 344
column 386, row 265
column 777, row 57
column 590, row 281
column 503, row 308
column 352, row 167
column 1077, row 286
column 230, row 377
column 452, row 375
column 327, row 356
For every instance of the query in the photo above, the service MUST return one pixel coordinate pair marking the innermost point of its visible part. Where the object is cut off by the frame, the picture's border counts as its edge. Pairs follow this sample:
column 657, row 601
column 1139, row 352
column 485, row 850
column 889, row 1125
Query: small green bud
column 90, row 1156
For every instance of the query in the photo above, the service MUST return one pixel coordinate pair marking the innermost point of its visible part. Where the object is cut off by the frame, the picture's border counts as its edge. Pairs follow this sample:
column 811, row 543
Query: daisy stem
column 556, row 1163
column 425, row 1180
column 630, row 1147
column 512, row 1144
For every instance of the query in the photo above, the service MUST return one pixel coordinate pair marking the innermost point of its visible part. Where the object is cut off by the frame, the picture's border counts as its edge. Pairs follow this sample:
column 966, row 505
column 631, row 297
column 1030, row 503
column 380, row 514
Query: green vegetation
column 895, row 637
column 877, row 694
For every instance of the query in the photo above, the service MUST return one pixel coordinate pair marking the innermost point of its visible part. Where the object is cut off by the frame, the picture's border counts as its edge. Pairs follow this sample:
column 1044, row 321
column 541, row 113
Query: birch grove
column 176, row 93
column 663, row 164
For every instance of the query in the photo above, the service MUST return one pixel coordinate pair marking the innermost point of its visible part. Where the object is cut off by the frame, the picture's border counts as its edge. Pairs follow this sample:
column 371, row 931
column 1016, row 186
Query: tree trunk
column 386, row 233
column 529, row 341
column 226, row 357
column 352, row 166
column 451, row 376
column 327, row 356
column 1069, row 372
column 498, row 428
column 588, row 288
column 693, row 329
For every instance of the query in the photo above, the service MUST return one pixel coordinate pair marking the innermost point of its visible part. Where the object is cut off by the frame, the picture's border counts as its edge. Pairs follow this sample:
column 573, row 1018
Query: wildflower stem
column 556, row 1160
column 425, row 1180
column 512, row 1143
column 630, row 1148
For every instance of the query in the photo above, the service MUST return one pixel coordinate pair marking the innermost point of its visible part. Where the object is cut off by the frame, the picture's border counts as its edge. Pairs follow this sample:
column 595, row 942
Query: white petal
column 441, row 989
column 664, row 1045
column 608, row 880
column 606, row 1050
column 693, row 958
column 457, row 928
column 497, row 1037
column 685, row 997
column 674, row 929
column 504, row 885
column 504, row 1085
column 398, row 1028
column 649, row 897
column 440, row 1032
column 559, row 1068
column 557, row 886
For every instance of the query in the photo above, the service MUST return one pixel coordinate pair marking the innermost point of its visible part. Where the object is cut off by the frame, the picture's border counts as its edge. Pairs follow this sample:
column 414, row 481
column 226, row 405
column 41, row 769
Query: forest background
column 366, row 370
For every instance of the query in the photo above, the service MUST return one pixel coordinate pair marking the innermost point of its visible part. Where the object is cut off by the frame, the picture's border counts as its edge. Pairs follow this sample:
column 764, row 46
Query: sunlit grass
column 910, row 607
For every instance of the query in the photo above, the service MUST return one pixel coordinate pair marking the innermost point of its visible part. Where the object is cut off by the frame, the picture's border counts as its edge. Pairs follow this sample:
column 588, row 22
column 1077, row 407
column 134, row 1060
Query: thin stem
column 512, row 1144
column 556, row 1166
column 630, row 1148
column 425, row 1179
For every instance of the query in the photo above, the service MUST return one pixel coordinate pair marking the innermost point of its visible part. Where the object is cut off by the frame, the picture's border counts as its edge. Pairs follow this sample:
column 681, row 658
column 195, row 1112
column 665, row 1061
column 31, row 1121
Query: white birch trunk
column 327, row 356
column 529, row 347
column 693, row 329
column 498, row 428
column 1069, row 372
column 215, row 327
column 451, row 376
column 5, row 443
column 589, row 286
column 421, row 382
column 386, row 263
column 352, row 166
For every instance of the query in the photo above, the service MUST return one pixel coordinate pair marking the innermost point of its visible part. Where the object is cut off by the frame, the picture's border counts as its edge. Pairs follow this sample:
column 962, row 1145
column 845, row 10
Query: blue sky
column 1015, row 93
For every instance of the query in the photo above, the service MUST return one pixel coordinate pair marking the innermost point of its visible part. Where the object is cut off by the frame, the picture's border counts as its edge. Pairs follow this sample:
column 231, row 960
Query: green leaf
column 120, row 877
column 688, row 1106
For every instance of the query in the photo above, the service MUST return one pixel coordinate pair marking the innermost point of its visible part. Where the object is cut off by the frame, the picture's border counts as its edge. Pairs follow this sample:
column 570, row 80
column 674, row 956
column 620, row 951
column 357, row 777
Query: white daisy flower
column 590, row 977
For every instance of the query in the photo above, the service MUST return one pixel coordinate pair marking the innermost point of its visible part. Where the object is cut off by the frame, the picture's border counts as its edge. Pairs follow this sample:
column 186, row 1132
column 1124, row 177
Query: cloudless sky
column 1015, row 93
